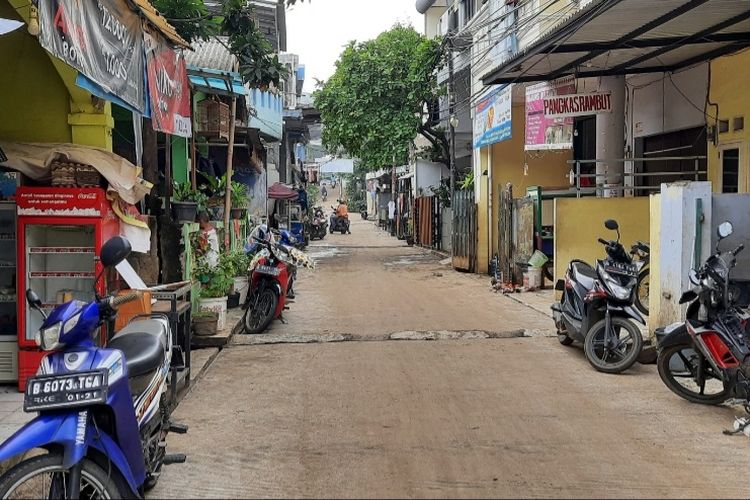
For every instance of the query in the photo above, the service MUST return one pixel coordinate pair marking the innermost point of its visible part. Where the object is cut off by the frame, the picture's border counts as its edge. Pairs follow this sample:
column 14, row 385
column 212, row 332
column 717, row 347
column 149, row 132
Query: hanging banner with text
column 544, row 132
column 103, row 39
column 570, row 106
column 492, row 118
column 168, row 89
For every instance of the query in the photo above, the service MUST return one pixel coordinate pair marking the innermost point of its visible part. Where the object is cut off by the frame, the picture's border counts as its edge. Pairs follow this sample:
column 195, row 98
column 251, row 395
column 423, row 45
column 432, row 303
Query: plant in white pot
column 239, row 263
column 216, row 282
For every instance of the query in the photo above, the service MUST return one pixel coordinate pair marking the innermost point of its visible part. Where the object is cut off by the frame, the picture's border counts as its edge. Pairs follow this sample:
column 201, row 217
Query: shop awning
column 216, row 82
column 281, row 191
column 618, row 37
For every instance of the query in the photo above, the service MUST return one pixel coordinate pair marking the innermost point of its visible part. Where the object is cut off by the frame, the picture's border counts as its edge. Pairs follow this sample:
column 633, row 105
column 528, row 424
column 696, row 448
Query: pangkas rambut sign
column 571, row 105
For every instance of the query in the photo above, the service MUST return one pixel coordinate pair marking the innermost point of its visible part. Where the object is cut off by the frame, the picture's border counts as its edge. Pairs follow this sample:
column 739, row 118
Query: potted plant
column 216, row 283
column 239, row 262
column 186, row 202
column 239, row 200
column 205, row 323
column 216, row 187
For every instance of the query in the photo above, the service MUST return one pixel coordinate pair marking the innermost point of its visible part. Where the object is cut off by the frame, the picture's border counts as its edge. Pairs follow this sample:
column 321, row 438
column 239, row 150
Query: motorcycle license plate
column 51, row 392
column 626, row 269
column 272, row 271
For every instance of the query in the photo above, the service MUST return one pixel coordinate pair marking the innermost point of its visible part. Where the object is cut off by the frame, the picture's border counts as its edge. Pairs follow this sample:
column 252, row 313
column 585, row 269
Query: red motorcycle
column 271, row 278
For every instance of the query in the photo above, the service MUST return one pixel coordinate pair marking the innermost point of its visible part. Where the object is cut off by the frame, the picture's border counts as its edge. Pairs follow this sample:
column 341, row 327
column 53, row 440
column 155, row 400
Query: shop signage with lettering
column 103, row 39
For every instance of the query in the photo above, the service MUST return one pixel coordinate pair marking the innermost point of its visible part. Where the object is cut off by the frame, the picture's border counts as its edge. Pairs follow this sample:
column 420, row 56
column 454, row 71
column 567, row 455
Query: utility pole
column 451, row 110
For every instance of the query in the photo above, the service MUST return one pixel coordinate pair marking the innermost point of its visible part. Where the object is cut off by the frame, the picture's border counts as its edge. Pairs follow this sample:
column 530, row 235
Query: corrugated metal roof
column 211, row 54
column 160, row 23
column 610, row 37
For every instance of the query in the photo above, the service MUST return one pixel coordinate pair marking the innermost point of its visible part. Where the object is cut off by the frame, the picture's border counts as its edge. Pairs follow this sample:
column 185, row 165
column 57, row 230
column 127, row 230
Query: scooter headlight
column 71, row 323
column 49, row 338
column 620, row 292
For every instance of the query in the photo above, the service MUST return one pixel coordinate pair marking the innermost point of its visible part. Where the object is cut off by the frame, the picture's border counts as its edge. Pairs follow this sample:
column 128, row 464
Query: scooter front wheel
column 687, row 373
column 261, row 311
column 43, row 476
column 614, row 351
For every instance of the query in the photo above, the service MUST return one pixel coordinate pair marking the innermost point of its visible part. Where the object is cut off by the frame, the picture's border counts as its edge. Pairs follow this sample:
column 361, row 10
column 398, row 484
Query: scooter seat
column 584, row 274
column 144, row 345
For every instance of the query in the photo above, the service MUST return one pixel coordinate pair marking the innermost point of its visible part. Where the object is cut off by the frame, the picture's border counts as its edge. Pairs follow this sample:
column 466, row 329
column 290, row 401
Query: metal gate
column 464, row 237
column 428, row 222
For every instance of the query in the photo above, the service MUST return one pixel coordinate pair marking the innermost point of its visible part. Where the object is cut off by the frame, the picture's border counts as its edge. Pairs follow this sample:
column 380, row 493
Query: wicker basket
column 213, row 118
column 71, row 174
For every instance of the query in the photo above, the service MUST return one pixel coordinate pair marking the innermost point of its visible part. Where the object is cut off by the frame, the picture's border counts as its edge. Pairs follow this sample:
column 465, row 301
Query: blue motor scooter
column 103, row 412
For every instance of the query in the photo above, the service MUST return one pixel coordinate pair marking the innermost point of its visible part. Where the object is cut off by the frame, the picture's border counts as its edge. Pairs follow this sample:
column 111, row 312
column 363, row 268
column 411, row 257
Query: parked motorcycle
column 640, row 254
column 319, row 224
column 340, row 224
column 104, row 413
column 597, row 308
column 270, row 279
column 706, row 359
column 289, row 239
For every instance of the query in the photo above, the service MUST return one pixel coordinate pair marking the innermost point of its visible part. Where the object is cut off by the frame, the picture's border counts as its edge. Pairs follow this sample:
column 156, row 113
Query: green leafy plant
column 237, row 263
column 215, row 281
column 190, row 18
column 467, row 182
column 313, row 193
column 378, row 98
column 259, row 65
column 239, row 195
column 184, row 192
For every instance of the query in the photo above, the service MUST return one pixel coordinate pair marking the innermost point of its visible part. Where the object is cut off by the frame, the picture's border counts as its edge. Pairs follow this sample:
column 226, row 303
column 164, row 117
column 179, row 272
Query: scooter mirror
column 693, row 277
column 611, row 224
column 725, row 230
column 33, row 299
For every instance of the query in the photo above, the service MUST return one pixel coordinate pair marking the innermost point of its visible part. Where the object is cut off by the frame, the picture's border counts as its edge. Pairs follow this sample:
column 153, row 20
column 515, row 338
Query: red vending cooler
column 60, row 234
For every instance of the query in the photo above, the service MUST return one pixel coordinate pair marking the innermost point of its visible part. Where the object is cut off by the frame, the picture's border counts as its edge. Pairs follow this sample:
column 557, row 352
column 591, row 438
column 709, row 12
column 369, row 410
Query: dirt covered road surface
column 473, row 417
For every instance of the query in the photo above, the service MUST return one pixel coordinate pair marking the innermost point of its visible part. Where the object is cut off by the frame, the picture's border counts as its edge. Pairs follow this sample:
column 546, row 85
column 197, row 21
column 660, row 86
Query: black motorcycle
column 319, row 225
column 597, row 308
column 339, row 224
column 706, row 359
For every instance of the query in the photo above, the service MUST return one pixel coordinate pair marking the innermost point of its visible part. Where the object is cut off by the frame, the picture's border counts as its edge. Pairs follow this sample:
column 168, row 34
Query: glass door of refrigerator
column 60, row 267
column 8, row 295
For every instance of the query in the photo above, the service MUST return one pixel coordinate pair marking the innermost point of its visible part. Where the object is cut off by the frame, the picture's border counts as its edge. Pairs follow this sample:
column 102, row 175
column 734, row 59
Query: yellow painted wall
column 579, row 222
column 548, row 168
column 34, row 102
column 728, row 89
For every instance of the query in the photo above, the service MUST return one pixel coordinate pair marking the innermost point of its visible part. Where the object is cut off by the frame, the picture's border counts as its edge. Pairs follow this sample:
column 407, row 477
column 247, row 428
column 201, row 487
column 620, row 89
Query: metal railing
column 604, row 180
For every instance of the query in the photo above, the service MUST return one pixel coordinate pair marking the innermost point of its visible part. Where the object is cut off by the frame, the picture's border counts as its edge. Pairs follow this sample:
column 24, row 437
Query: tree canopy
column 375, row 103
column 259, row 65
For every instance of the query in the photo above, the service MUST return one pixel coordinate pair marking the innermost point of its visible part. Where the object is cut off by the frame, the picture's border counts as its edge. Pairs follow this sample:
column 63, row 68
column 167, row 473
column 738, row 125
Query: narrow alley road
column 504, row 417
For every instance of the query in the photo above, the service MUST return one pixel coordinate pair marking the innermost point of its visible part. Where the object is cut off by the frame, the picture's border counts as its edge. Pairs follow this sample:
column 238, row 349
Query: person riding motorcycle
column 324, row 193
column 342, row 212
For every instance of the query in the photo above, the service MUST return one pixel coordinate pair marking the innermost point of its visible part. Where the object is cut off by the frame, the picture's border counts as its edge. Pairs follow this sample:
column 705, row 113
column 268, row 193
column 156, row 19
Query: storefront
column 64, row 192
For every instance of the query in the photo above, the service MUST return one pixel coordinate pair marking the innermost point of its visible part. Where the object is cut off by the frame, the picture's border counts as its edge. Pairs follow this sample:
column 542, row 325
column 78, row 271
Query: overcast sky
column 317, row 30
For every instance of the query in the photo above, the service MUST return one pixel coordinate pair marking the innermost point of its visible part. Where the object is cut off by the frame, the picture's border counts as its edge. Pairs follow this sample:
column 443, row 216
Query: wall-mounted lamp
column 33, row 20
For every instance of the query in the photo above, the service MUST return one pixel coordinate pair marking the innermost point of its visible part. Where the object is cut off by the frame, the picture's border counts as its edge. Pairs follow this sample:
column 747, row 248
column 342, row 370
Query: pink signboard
column 544, row 132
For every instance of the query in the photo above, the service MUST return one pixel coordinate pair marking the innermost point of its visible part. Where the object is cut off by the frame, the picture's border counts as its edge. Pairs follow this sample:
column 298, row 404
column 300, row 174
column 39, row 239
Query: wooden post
column 230, row 157
column 167, row 171
column 193, row 149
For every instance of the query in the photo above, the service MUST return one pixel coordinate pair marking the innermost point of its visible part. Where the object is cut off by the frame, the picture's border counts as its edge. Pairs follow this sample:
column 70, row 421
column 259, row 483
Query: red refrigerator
column 60, row 234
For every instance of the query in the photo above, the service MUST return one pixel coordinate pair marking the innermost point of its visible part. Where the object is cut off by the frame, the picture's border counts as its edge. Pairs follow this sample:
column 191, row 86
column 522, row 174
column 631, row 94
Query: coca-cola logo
column 86, row 196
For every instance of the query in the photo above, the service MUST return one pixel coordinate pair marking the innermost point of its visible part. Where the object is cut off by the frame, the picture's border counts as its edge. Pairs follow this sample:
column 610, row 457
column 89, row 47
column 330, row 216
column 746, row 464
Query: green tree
column 190, row 18
column 376, row 102
column 259, row 65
